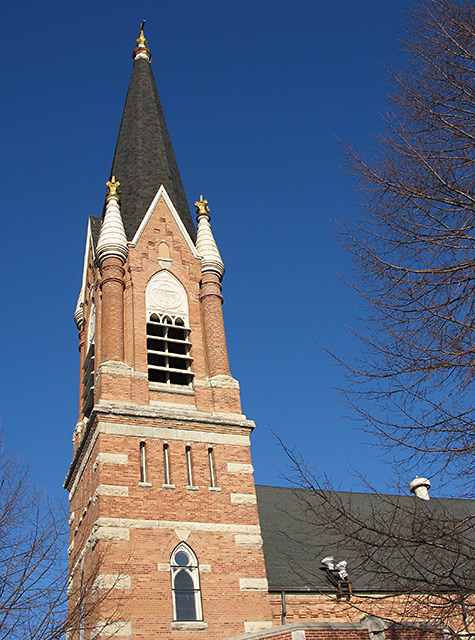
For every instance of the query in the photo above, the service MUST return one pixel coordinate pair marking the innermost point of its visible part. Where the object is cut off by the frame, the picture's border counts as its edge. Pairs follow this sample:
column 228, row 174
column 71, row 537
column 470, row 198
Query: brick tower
column 164, row 519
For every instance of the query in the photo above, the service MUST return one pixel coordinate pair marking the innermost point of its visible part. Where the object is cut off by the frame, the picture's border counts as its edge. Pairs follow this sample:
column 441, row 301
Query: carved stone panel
column 165, row 294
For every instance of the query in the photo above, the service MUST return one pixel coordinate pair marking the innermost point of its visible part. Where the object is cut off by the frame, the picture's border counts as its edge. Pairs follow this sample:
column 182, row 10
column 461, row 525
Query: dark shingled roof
column 297, row 534
column 96, row 225
column 144, row 157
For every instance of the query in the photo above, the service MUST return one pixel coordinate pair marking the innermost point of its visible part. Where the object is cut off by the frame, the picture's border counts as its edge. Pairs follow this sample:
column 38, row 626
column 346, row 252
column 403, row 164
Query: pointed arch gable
column 162, row 193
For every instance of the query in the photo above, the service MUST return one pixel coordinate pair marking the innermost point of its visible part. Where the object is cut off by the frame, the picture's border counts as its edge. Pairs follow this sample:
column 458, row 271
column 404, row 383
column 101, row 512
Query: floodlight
column 328, row 562
column 341, row 568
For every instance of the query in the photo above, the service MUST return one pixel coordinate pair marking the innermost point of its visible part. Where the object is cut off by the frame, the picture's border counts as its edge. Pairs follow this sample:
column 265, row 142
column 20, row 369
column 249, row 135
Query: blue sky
column 256, row 96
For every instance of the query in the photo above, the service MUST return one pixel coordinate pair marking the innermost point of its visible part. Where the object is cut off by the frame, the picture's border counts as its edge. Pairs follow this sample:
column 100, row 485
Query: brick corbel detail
column 112, row 286
column 212, row 312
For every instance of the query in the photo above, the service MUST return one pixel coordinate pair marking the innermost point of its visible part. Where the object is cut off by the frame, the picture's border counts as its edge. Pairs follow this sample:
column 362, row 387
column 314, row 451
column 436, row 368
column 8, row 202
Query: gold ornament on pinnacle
column 112, row 188
column 201, row 206
column 141, row 39
column 142, row 44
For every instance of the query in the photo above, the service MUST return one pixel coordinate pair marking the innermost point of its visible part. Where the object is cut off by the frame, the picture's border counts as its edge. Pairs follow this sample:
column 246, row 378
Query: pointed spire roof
column 144, row 157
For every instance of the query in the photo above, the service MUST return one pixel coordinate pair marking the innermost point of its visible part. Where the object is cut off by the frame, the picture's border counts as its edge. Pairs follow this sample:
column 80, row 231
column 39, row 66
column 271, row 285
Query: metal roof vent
column 420, row 488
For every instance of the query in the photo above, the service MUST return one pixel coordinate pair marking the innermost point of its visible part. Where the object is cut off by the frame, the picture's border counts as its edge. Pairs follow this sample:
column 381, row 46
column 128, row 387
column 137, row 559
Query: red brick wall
column 145, row 523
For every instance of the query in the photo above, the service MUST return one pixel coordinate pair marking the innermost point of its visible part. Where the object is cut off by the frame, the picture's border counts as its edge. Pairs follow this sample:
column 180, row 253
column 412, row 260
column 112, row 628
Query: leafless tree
column 408, row 559
column 34, row 582
column 414, row 252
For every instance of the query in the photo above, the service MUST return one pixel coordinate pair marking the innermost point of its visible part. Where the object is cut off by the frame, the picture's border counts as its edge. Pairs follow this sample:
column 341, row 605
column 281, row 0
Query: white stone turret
column 79, row 312
column 211, row 260
column 112, row 239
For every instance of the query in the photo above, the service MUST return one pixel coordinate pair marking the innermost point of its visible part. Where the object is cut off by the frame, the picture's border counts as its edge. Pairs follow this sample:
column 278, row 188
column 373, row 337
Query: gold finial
column 142, row 44
column 201, row 206
column 112, row 188
column 141, row 39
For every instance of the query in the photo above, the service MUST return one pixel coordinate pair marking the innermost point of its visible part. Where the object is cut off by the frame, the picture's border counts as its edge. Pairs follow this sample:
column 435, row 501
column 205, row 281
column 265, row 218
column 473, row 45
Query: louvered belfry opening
column 88, row 382
column 168, row 349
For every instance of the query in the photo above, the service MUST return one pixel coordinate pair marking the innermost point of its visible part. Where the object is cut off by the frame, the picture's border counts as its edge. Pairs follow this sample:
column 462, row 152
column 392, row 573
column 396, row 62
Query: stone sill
column 171, row 388
column 183, row 626
column 192, row 487
column 215, row 489
column 168, row 486
column 146, row 485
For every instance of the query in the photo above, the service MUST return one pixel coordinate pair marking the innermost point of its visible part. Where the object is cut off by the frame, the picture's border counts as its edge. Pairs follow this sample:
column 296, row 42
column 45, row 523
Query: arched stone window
column 185, row 584
column 168, row 331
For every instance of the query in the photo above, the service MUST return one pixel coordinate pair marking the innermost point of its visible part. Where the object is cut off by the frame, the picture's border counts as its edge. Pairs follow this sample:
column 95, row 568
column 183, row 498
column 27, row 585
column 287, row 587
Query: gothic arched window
column 168, row 344
column 185, row 584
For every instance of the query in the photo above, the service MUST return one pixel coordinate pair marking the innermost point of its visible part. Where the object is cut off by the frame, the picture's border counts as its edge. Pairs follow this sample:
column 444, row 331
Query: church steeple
column 161, row 489
column 144, row 158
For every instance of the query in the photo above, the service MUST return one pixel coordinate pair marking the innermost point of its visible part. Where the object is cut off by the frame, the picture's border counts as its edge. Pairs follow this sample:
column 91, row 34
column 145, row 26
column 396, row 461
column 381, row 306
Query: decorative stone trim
column 243, row 498
column 111, row 490
column 163, row 387
column 124, row 524
column 184, row 626
column 145, row 485
column 115, row 367
column 218, row 382
column 168, row 486
column 112, row 629
column 192, row 487
column 150, row 411
column 240, row 467
column 248, row 540
column 249, row 627
column 163, row 433
column 253, row 584
column 110, row 458
column 299, row 634
column 111, row 581
column 77, row 429
column 112, row 533
column 214, row 489
column 163, row 566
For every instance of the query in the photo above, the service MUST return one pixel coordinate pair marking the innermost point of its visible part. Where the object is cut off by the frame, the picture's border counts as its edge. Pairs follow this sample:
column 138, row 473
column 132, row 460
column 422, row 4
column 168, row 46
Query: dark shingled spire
column 144, row 157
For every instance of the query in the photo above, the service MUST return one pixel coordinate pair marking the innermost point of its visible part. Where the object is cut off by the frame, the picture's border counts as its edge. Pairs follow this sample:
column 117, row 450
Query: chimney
column 420, row 488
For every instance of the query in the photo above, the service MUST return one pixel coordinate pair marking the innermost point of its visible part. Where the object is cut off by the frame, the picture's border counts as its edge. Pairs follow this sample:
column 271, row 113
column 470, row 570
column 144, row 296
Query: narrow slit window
column 166, row 465
column 189, row 466
column 212, row 477
column 143, row 463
